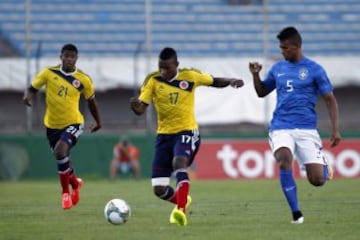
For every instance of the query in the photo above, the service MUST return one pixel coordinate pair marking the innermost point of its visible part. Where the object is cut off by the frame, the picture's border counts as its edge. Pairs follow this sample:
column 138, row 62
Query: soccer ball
column 117, row 211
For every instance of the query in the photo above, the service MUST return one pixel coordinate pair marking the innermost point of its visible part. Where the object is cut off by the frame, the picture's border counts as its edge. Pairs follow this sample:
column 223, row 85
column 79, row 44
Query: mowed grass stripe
column 224, row 210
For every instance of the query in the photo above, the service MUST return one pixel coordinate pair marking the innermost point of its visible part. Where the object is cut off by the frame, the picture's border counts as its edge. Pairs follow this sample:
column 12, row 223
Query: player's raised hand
column 255, row 67
column 236, row 83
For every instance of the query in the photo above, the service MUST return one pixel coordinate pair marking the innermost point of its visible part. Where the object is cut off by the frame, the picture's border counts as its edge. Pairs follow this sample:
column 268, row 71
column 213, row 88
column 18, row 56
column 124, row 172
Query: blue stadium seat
column 194, row 27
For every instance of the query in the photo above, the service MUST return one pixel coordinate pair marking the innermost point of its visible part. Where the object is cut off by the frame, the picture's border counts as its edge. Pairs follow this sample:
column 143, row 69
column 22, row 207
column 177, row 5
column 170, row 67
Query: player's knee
column 285, row 161
column 284, row 157
column 180, row 162
column 317, row 181
column 58, row 153
column 61, row 149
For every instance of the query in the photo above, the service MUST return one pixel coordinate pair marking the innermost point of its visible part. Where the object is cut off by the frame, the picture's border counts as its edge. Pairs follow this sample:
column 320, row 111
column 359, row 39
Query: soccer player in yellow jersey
column 63, row 120
column 172, row 91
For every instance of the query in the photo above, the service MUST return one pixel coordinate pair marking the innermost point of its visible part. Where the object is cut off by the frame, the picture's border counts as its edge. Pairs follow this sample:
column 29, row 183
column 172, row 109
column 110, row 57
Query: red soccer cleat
column 66, row 201
column 75, row 195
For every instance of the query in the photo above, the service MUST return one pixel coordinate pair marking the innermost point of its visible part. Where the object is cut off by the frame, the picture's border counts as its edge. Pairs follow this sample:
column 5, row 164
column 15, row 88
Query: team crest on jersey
column 303, row 73
column 76, row 83
column 184, row 85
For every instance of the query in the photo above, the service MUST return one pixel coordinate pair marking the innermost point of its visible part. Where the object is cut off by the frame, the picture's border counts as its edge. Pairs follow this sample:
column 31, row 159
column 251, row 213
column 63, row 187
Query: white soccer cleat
column 300, row 220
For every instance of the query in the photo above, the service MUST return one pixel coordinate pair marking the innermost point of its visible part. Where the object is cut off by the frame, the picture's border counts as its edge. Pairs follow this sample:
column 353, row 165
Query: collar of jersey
column 67, row 74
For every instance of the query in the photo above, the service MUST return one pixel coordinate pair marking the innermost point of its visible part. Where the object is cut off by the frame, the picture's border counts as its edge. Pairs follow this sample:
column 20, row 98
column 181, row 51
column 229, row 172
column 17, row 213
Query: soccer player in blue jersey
column 172, row 91
column 298, row 81
column 64, row 84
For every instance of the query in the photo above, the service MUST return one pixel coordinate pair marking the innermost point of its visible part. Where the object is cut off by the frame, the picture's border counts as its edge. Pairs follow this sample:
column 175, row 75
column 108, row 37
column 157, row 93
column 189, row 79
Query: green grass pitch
column 221, row 210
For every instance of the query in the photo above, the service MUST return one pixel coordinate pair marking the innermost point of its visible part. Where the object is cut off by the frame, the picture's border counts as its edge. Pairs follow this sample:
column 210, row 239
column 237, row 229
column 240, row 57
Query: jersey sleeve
column 146, row 91
column 202, row 78
column 323, row 81
column 270, row 82
column 40, row 79
column 89, row 89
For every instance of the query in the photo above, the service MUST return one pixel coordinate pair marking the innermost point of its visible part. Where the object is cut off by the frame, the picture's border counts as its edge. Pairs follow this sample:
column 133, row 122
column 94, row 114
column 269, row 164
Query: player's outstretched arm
column 94, row 110
column 255, row 69
column 137, row 106
column 29, row 95
column 224, row 82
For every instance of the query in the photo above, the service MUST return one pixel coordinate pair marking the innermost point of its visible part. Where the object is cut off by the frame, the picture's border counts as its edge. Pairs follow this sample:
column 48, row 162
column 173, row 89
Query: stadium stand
column 197, row 27
column 6, row 49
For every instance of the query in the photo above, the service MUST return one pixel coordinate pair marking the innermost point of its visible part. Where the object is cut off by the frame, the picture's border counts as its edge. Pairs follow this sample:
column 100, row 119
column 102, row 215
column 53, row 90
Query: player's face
column 289, row 50
column 168, row 68
column 68, row 59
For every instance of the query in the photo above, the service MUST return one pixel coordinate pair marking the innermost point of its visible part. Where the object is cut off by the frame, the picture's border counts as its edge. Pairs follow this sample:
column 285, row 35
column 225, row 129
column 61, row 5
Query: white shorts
column 304, row 144
column 125, row 167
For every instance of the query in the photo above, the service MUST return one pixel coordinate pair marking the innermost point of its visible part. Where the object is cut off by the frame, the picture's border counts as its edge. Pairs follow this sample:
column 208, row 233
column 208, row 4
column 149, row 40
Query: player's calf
column 166, row 193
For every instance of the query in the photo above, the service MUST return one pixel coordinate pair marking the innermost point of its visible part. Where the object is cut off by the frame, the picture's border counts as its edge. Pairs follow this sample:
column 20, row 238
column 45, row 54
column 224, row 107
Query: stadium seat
column 197, row 27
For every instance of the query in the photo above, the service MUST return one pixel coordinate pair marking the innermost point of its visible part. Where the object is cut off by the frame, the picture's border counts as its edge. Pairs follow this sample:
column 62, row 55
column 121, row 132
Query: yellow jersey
column 174, row 100
column 63, row 91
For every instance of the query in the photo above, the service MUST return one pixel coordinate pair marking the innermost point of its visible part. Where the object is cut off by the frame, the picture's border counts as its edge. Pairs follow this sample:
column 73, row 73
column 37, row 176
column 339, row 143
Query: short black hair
column 69, row 47
column 168, row 53
column 290, row 33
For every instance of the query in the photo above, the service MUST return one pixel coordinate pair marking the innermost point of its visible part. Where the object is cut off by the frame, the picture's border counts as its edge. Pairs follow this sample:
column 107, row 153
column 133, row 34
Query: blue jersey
column 298, row 86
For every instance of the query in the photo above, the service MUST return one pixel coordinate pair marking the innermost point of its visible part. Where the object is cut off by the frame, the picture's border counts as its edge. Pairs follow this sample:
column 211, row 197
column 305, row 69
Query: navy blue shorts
column 167, row 146
column 70, row 134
